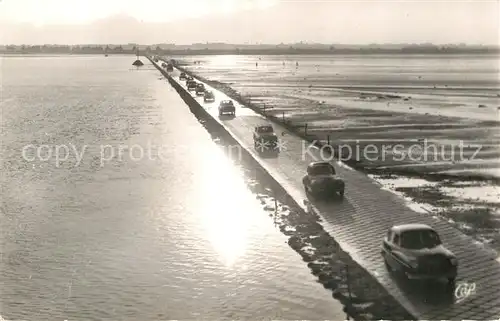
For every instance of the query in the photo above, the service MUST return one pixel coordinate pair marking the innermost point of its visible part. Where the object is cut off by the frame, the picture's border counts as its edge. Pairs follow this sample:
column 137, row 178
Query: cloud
column 325, row 22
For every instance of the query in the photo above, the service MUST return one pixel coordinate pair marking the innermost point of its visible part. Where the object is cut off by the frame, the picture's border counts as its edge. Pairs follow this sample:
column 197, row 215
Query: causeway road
column 361, row 220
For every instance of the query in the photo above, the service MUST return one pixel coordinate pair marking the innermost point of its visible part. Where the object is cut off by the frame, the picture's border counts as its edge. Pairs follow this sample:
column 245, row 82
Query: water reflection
column 223, row 207
column 224, row 60
column 134, row 239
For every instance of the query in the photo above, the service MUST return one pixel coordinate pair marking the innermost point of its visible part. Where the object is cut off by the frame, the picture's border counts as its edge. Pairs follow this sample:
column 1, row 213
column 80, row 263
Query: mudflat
column 424, row 126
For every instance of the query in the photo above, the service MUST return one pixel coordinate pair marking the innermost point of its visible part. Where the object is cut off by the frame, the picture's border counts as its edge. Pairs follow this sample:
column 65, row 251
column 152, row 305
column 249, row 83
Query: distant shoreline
column 259, row 52
column 220, row 48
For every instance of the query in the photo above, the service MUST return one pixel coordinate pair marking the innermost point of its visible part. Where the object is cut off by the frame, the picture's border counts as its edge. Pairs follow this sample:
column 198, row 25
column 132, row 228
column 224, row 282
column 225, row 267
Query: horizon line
column 458, row 44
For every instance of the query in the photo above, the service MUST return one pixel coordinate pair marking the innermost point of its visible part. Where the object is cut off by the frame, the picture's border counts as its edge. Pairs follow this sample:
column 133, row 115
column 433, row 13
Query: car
column 227, row 107
column 209, row 96
column 182, row 76
column 191, row 85
column 415, row 251
column 170, row 67
column 265, row 139
column 321, row 180
column 189, row 78
column 200, row 90
column 163, row 65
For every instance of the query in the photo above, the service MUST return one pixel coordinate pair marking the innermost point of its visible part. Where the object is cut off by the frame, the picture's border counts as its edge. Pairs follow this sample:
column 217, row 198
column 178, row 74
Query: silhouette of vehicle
column 191, row 85
column 208, row 97
column 322, row 181
column 227, row 107
column 265, row 139
column 182, row 76
column 200, row 89
column 415, row 251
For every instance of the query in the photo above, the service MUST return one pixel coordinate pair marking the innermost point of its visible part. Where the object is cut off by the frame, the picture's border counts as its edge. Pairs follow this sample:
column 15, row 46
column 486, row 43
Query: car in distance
column 189, row 78
column 170, row 67
column 200, row 90
column 182, row 76
column 416, row 252
column 227, row 107
column 265, row 139
column 321, row 180
column 209, row 96
column 191, row 85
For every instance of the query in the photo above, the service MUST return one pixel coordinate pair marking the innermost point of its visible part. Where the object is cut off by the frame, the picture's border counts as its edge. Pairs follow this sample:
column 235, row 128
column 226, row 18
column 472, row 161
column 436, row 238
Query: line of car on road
column 320, row 180
column 168, row 66
column 411, row 251
column 226, row 107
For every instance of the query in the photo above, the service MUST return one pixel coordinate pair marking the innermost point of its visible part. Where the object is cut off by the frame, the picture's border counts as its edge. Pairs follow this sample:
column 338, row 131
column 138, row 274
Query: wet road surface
column 362, row 219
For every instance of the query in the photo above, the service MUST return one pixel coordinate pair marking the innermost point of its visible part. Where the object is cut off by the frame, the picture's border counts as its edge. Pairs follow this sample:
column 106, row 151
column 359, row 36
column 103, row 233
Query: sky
column 249, row 21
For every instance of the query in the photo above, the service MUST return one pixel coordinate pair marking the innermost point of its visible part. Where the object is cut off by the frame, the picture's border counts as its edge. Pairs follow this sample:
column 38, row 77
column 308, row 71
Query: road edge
column 201, row 112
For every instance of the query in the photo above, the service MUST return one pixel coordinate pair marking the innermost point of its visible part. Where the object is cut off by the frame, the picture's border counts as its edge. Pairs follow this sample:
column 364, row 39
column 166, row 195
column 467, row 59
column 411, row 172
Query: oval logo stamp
column 464, row 290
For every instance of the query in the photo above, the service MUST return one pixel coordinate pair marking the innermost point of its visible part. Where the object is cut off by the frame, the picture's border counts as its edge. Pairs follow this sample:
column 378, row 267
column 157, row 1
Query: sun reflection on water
column 224, row 60
column 223, row 208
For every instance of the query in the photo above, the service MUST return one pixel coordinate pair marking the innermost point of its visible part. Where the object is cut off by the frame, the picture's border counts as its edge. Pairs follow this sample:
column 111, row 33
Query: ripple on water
column 180, row 237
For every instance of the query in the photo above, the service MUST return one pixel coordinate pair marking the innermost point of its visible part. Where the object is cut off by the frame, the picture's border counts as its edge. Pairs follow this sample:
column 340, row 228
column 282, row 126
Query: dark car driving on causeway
column 226, row 107
column 208, row 96
column 191, row 85
column 321, row 180
column 200, row 89
column 415, row 251
column 265, row 139
column 182, row 76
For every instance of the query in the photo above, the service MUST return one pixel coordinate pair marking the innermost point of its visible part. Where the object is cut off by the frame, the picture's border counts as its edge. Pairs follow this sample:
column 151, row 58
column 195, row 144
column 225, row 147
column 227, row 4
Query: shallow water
column 472, row 206
column 468, row 73
column 100, row 234
column 433, row 81
column 345, row 97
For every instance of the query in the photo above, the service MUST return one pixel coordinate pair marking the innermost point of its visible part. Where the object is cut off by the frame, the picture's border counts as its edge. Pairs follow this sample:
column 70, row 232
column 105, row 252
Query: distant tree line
column 243, row 50
column 81, row 49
